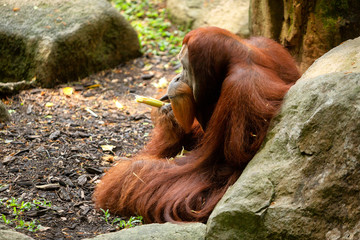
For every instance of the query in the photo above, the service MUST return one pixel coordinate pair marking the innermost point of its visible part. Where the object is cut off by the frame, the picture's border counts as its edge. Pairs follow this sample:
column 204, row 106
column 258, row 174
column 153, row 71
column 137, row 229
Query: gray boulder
column 304, row 182
column 193, row 231
column 59, row 41
column 232, row 15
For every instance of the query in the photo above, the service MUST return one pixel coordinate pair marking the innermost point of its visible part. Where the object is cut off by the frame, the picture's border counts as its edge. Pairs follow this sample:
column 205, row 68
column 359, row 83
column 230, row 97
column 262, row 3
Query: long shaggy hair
column 242, row 85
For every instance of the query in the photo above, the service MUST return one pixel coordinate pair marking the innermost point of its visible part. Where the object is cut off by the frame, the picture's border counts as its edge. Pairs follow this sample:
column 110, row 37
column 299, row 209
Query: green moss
column 331, row 13
column 17, row 58
column 330, row 24
column 332, row 8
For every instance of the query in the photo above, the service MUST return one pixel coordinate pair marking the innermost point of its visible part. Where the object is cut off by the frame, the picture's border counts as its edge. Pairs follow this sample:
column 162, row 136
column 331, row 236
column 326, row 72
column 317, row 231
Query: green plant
column 5, row 220
column 156, row 33
column 132, row 222
column 106, row 215
column 119, row 222
column 25, row 206
column 42, row 202
column 32, row 226
column 18, row 209
column 11, row 202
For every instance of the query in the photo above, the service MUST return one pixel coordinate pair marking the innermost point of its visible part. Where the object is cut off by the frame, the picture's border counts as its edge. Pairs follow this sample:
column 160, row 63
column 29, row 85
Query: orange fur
column 240, row 87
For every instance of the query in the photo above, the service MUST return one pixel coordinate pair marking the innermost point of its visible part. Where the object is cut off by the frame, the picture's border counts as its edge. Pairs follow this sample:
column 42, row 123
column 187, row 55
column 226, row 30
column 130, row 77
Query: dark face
column 185, row 77
column 181, row 93
column 202, row 93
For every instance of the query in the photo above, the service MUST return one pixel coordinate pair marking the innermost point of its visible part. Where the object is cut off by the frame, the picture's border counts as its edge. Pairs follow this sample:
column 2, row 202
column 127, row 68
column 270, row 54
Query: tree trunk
column 308, row 28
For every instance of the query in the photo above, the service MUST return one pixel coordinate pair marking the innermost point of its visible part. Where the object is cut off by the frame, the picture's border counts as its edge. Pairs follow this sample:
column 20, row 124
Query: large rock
column 307, row 28
column 193, row 231
column 344, row 58
column 61, row 40
column 304, row 182
column 232, row 15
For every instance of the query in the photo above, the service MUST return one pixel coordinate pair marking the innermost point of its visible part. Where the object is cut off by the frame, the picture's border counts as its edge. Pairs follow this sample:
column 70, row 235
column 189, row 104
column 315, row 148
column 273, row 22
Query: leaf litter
column 62, row 140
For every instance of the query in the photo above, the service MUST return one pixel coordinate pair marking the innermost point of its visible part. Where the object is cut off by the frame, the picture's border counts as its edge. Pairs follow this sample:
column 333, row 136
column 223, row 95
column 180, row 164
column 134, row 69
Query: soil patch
column 57, row 147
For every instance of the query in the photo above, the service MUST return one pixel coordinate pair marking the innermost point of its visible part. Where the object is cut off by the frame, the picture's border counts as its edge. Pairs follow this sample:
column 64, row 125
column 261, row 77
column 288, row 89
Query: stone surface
column 184, row 12
column 6, row 234
column 58, row 41
column 304, row 182
column 232, row 15
column 344, row 58
column 191, row 231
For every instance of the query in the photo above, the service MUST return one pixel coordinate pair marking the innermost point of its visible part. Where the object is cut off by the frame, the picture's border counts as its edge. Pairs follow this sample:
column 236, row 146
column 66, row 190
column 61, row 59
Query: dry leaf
column 118, row 105
column 108, row 158
column 49, row 104
column 107, row 147
column 68, row 91
column 43, row 229
column 94, row 86
column 148, row 67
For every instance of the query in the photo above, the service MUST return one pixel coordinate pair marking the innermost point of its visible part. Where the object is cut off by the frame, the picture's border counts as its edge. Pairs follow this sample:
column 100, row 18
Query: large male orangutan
column 220, row 108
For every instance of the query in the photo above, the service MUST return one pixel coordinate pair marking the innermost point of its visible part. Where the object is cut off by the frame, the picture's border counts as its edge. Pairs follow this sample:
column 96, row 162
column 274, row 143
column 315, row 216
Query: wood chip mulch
column 59, row 144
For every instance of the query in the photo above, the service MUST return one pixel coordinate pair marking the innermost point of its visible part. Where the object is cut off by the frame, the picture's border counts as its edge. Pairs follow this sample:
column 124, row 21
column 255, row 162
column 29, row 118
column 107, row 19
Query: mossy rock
column 60, row 41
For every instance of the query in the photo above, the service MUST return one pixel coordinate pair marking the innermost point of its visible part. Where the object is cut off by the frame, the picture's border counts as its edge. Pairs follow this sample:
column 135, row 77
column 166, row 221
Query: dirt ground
column 57, row 146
